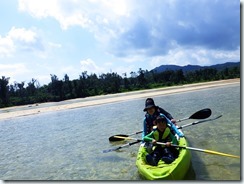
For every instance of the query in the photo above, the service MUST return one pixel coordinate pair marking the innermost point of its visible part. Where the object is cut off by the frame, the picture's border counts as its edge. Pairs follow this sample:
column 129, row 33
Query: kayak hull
column 174, row 171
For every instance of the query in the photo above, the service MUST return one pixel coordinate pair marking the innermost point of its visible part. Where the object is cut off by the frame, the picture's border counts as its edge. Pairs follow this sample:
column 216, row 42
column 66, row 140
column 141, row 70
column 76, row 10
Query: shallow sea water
column 68, row 145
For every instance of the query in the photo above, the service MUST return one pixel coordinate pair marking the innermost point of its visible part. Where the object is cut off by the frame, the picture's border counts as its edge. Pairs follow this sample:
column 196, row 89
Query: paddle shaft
column 125, row 145
column 128, row 138
column 202, row 150
column 200, row 121
column 135, row 133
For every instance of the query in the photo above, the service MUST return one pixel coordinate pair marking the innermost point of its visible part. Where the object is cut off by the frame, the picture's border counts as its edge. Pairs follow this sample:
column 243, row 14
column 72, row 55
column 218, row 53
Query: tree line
column 109, row 83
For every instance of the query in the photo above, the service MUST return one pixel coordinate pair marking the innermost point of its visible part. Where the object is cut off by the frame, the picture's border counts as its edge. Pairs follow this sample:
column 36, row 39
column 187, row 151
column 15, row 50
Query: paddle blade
column 119, row 138
column 202, row 114
column 219, row 153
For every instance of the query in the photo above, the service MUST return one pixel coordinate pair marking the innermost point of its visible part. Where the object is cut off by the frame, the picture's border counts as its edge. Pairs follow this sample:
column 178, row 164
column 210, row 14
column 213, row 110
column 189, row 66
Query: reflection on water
column 67, row 145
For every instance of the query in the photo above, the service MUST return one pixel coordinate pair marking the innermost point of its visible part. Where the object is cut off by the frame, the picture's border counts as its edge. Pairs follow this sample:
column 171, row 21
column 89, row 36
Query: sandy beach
column 31, row 109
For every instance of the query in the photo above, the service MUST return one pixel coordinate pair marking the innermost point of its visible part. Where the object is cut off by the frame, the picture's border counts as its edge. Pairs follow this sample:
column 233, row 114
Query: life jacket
column 161, row 136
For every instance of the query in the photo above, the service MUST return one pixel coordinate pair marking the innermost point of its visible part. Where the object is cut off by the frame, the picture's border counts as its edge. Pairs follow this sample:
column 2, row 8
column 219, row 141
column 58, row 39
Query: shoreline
column 32, row 109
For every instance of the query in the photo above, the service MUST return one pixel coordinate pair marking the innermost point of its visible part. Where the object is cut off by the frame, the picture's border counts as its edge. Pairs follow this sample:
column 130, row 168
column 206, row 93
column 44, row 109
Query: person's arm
column 167, row 114
column 148, row 137
column 144, row 128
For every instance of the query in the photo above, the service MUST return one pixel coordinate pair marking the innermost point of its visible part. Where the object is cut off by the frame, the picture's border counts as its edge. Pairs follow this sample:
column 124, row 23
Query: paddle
column 174, row 145
column 114, row 138
column 202, row 150
column 201, row 114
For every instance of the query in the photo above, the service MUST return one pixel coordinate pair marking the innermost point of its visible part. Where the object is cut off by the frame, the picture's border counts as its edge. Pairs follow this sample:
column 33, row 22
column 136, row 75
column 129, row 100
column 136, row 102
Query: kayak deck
column 174, row 171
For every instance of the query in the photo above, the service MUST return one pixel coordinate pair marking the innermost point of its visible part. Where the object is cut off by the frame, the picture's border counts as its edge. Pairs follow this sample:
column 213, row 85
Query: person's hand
column 168, row 144
column 154, row 141
column 173, row 121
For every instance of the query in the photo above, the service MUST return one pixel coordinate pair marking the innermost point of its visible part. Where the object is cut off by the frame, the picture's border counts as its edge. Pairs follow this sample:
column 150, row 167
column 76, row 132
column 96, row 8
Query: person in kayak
column 161, row 134
column 152, row 111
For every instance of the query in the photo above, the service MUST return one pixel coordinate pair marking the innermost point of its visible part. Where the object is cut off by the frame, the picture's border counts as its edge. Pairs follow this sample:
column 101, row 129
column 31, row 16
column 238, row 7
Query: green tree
column 56, row 88
column 178, row 77
column 67, row 88
column 110, row 82
column 141, row 78
column 4, row 91
column 32, row 87
column 125, row 82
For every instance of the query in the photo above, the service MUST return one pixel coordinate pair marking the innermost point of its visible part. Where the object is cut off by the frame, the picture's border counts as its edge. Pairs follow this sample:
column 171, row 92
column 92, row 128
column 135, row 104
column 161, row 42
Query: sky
column 57, row 37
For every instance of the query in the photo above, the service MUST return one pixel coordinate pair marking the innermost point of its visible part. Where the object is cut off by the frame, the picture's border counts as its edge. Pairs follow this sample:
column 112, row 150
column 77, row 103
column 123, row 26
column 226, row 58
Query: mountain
column 225, row 65
column 192, row 68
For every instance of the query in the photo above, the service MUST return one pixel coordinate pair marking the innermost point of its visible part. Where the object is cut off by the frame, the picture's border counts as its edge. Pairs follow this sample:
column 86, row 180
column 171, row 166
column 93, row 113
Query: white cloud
column 72, row 12
column 104, row 18
column 119, row 8
column 20, row 39
column 71, row 71
column 90, row 66
column 43, row 79
column 13, row 71
column 121, row 70
column 6, row 46
column 39, row 9
column 230, row 55
column 65, row 12
column 54, row 45
column 195, row 56
column 23, row 35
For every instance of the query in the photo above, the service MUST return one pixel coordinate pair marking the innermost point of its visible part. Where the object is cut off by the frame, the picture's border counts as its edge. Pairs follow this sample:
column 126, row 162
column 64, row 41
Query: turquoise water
column 68, row 145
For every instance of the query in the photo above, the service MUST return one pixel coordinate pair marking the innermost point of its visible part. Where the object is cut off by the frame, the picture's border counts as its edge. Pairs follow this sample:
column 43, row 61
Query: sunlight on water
column 68, row 145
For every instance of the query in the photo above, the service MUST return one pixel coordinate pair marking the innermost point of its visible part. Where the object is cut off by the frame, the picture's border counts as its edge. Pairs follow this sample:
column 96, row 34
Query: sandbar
column 32, row 109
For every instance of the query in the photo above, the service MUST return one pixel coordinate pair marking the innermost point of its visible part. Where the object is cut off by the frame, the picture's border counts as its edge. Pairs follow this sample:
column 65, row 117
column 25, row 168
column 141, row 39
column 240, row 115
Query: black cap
column 149, row 103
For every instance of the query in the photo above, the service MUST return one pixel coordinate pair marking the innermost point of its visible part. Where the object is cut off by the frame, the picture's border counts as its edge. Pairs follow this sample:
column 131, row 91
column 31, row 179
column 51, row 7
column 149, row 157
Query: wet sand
column 12, row 112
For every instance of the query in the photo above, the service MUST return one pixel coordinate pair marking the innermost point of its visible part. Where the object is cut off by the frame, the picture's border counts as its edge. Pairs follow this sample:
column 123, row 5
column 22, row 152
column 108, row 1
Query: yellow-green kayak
column 174, row 171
